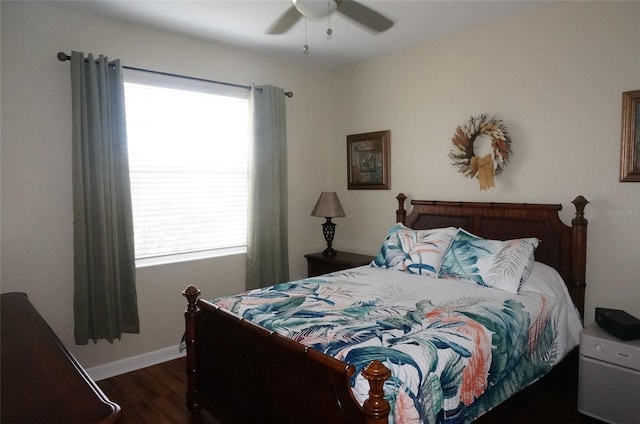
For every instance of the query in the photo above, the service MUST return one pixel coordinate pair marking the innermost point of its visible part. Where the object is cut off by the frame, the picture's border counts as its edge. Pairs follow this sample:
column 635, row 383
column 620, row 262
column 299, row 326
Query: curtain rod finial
column 62, row 56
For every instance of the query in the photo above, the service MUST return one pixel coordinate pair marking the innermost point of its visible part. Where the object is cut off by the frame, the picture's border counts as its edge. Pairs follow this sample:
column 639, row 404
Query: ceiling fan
column 320, row 9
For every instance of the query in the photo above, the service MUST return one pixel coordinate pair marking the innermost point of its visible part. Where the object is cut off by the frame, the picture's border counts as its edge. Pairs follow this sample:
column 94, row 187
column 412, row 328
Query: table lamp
column 328, row 206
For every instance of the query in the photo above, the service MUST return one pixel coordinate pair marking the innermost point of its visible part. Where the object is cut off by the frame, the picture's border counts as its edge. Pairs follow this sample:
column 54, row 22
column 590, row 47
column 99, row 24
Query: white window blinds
column 188, row 151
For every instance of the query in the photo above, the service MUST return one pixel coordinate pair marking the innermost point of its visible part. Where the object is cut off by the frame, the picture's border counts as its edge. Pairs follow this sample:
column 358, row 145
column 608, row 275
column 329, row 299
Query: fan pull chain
column 305, row 48
column 329, row 30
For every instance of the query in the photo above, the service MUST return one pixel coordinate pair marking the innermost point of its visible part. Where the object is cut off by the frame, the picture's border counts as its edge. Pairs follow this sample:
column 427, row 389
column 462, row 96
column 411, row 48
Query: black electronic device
column 619, row 323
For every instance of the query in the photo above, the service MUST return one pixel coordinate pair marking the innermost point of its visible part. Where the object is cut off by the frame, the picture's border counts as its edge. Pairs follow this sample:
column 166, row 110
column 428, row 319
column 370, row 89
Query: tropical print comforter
column 455, row 349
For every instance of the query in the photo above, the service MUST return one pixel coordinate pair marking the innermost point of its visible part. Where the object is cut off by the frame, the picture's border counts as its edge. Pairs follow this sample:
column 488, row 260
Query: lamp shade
column 328, row 205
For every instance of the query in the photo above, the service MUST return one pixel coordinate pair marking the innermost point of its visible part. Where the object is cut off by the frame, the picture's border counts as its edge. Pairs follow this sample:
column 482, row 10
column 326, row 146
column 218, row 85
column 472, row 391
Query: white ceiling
column 243, row 23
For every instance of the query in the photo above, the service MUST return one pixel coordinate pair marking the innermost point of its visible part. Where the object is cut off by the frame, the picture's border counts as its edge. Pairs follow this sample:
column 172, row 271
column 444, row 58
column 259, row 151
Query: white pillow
column 414, row 251
column 492, row 263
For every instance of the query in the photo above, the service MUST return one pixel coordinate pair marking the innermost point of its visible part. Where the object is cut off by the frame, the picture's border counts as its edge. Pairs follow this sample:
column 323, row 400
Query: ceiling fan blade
column 364, row 15
column 285, row 22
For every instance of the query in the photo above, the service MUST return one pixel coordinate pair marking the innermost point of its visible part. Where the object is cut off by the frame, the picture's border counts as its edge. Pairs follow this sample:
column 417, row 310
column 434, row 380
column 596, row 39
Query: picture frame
column 630, row 145
column 368, row 161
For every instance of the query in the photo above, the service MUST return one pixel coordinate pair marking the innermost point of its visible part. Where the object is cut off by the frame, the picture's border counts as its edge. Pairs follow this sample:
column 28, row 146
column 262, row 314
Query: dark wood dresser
column 41, row 381
column 318, row 264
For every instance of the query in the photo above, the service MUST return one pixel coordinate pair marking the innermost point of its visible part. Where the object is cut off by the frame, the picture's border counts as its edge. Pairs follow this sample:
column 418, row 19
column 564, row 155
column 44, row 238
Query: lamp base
column 329, row 252
column 328, row 229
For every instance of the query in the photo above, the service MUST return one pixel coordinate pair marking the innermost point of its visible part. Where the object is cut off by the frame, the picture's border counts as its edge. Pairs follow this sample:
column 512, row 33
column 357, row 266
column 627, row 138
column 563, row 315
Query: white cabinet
column 609, row 381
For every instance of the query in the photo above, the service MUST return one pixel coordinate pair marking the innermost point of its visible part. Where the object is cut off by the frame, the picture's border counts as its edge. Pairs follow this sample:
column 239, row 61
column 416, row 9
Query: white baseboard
column 134, row 363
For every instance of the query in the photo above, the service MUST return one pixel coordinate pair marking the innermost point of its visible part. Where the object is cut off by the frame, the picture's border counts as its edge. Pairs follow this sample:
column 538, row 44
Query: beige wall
column 554, row 76
column 37, row 255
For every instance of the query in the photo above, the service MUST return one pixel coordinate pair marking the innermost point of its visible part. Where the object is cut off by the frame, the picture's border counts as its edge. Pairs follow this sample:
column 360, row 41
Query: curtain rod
column 63, row 57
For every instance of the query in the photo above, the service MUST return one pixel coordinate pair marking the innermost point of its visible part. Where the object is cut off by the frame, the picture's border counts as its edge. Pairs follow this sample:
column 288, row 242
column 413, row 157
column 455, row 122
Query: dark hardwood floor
column 157, row 395
column 154, row 395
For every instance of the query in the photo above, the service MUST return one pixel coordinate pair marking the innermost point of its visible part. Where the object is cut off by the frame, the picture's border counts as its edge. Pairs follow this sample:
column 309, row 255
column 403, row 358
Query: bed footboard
column 243, row 373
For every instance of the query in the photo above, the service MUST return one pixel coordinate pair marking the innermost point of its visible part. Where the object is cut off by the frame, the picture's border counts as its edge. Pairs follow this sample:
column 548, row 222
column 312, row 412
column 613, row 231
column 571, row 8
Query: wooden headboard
column 562, row 247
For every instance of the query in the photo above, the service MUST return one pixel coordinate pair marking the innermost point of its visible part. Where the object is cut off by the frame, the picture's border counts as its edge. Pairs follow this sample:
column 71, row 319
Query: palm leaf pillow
column 414, row 251
column 491, row 263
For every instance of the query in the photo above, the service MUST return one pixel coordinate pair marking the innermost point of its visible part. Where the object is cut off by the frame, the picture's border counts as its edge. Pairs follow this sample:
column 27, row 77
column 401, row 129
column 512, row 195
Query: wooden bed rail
column 578, row 284
column 191, row 319
column 375, row 409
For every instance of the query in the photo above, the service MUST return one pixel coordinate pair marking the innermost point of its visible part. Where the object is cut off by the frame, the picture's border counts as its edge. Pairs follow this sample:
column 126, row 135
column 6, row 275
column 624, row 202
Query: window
column 188, row 152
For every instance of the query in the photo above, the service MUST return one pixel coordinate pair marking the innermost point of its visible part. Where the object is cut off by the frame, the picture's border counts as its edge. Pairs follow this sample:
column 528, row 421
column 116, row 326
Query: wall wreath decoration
column 484, row 168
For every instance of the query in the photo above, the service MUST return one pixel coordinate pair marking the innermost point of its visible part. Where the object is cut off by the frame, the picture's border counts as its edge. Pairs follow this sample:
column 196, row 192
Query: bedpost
column 191, row 318
column 579, row 254
column 401, row 213
column 376, row 407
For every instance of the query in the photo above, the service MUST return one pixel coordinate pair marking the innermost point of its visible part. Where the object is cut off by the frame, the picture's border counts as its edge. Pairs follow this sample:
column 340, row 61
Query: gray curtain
column 267, row 231
column 105, row 301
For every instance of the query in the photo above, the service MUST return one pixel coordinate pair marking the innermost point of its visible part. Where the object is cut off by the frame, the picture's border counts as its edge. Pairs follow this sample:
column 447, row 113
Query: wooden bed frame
column 244, row 374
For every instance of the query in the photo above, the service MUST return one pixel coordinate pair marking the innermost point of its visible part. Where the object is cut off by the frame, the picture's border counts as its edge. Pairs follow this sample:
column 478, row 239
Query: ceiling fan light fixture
column 315, row 9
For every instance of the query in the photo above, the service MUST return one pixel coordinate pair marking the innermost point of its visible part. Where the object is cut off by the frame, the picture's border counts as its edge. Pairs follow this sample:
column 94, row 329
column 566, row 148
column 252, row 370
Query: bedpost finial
column 401, row 213
column 191, row 293
column 401, row 198
column 376, row 406
column 580, row 202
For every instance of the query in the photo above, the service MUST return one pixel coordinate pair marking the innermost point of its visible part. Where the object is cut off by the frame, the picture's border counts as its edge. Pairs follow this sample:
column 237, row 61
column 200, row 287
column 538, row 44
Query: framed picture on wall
column 368, row 159
column 630, row 146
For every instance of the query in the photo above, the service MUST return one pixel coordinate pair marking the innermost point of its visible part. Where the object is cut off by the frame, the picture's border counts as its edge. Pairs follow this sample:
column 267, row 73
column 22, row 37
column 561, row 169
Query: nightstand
column 318, row 264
